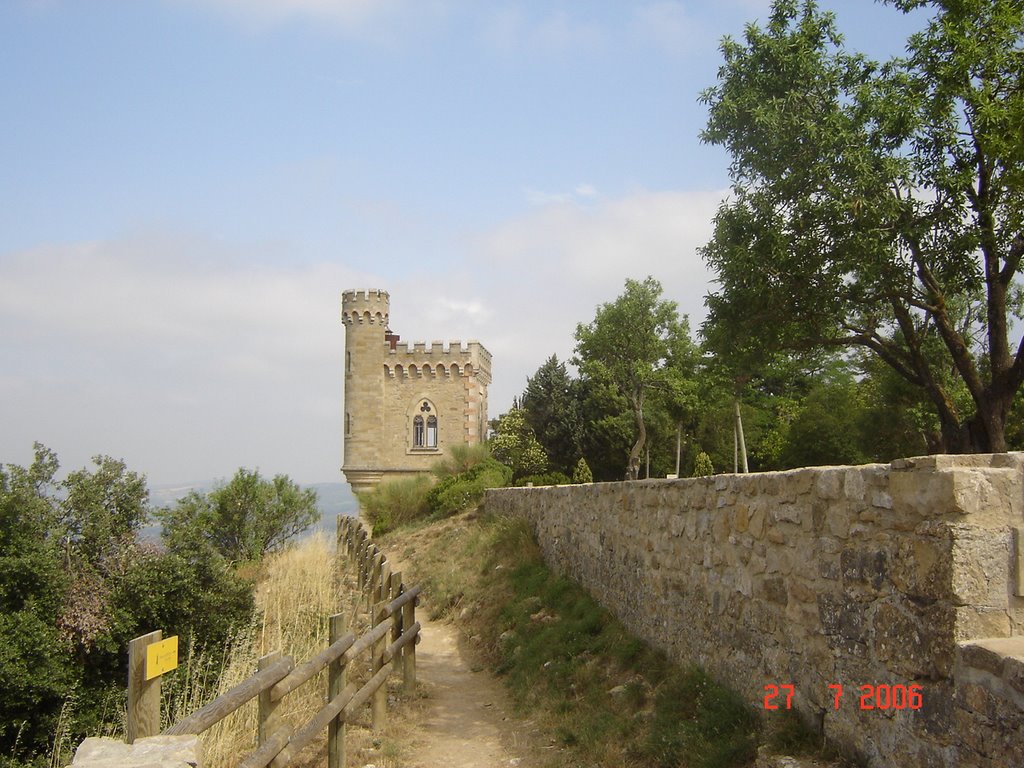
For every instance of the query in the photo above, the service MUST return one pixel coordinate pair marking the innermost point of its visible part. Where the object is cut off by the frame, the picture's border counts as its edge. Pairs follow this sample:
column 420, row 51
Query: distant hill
column 334, row 499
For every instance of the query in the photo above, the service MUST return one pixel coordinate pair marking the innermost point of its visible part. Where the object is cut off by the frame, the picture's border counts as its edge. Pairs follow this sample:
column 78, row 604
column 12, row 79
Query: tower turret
column 365, row 315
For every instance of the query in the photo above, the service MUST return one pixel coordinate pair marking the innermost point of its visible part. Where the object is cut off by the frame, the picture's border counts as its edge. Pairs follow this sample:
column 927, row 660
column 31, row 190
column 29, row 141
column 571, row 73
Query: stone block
column 881, row 499
column 153, row 752
column 773, row 589
column 992, row 497
column 922, row 494
column 921, row 567
column 740, row 518
column 981, row 566
column 864, row 568
column 784, row 512
column 915, row 641
column 830, row 483
column 755, row 523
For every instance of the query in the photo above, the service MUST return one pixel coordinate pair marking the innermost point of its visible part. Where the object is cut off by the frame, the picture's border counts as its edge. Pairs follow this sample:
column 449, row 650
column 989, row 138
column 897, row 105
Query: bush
column 461, row 458
column 243, row 519
column 75, row 586
column 582, row 474
column 395, row 503
column 702, row 466
column 458, row 492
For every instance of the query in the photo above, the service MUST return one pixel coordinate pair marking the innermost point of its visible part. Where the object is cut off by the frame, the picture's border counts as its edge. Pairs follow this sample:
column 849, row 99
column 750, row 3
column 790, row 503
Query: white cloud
column 186, row 366
column 378, row 19
column 548, row 270
column 667, row 25
column 580, row 193
column 509, row 30
column 190, row 358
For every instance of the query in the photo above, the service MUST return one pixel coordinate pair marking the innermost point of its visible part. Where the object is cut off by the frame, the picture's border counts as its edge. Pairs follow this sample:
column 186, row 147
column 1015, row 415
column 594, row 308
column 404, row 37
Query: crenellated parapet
column 365, row 307
column 438, row 359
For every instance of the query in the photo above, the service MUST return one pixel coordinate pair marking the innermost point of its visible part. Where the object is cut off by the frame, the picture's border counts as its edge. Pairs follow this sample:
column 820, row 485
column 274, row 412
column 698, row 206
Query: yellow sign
column 161, row 657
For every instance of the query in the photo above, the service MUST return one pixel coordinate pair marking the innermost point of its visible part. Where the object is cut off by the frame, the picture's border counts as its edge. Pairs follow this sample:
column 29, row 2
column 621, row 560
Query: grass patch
column 396, row 503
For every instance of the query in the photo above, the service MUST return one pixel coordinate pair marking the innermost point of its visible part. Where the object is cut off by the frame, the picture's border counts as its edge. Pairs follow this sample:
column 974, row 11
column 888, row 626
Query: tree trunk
column 739, row 433
column 633, row 471
column 679, row 445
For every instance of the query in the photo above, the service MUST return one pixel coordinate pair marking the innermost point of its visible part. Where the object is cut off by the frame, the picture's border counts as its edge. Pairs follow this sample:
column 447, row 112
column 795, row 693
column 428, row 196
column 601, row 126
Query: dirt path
column 465, row 723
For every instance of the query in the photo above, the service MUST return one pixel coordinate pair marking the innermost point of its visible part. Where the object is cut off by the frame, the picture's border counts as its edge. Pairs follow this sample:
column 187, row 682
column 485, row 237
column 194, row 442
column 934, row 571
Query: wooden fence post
column 360, row 555
column 409, row 651
column 380, row 696
column 396, row 619
column 384, row 583
column 378, row 559
column 143, row 694
column 269, row 720
column 337, row 677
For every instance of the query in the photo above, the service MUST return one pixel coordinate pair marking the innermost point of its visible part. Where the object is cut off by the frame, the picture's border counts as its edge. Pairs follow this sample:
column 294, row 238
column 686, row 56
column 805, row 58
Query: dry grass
column 297, row 591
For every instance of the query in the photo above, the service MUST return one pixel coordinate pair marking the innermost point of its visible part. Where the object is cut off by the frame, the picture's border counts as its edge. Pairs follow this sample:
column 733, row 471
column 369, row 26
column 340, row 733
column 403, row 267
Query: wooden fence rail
column 391, row 641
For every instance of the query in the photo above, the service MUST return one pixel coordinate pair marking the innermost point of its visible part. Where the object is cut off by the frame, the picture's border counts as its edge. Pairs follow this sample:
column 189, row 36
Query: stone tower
column 405, row 404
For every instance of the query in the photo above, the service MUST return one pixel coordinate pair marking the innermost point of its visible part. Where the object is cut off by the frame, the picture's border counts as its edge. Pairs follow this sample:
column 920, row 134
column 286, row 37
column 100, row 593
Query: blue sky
column 188, row 185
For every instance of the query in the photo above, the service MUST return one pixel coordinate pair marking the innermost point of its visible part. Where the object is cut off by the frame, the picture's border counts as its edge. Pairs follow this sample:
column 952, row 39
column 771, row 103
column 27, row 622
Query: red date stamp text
column 882, row 696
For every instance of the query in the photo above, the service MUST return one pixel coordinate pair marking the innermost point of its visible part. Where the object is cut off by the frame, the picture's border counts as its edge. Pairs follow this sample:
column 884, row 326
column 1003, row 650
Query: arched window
column 424, row 426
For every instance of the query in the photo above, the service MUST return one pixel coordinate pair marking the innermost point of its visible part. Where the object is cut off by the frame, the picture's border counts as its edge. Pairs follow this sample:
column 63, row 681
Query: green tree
column 241, row 520
column 515, row 445
column 702, row 466
column 627, row 345
column 76, row 585
column 874, row 204
column 551, row 404
column 581, row 473
column 35, row 660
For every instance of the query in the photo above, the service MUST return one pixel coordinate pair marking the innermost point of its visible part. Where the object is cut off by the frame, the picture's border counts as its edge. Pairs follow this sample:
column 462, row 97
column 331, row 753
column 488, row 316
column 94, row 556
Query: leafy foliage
column 627, row 346
column 548, row 478
column 515, row 445
column 552, row 406
column 396, row 503
column 242, row 520
column 581, row 473
column 878, row 206
column 76, row 585
column 702, row 466
column 458, row 492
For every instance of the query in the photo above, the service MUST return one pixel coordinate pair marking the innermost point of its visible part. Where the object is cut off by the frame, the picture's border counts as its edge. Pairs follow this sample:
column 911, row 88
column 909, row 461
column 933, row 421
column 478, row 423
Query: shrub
column 582, row 474
column 458, row 492
column 460, row 458
column 702, row 466
column 396, row 503
column 548, row 478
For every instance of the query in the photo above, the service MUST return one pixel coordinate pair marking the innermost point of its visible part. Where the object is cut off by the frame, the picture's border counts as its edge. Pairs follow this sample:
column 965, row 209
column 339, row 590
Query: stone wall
column 874, row 575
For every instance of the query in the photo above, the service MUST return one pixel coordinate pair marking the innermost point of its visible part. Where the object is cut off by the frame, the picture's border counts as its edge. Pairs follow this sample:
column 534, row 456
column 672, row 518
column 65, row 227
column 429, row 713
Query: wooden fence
column 391, row 642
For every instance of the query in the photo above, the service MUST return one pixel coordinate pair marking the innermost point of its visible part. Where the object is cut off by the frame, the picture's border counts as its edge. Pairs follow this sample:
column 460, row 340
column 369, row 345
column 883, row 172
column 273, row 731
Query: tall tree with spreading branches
column 879, row 205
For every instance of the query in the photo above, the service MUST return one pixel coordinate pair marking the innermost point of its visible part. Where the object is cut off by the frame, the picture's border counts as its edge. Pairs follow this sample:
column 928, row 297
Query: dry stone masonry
column 886, row 576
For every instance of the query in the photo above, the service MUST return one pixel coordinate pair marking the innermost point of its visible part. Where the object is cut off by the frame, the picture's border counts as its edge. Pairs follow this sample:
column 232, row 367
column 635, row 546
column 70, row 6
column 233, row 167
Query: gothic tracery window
column 424, row 427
